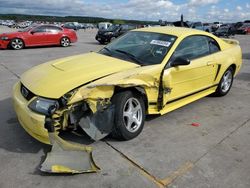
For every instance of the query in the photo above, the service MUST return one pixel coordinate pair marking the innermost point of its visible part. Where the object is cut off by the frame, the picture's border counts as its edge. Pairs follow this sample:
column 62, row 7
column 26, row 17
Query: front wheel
column 65, row 42
column 129, row 115
column 17, row 44
column 225, row 82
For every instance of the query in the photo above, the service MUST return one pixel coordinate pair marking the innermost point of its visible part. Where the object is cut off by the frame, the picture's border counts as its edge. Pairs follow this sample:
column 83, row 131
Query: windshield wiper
column 131, row 56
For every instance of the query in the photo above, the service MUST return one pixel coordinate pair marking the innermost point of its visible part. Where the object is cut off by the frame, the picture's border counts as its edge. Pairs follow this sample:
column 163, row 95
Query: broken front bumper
column 32, row 122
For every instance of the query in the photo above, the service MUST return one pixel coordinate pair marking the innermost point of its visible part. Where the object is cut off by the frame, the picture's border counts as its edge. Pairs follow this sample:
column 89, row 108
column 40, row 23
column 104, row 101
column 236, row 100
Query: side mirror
column 180, row 61
column 32, row 32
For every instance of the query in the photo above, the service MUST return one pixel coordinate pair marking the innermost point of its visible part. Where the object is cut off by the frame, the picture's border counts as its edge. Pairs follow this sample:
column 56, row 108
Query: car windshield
column 143, row 48
column 112, row 28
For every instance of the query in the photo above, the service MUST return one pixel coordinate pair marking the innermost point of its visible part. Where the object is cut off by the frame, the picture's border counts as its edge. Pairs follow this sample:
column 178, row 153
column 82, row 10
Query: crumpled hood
column 55, row 78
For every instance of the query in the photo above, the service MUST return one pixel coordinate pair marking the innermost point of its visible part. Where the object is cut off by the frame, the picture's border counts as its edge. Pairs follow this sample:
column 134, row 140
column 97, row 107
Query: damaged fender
column 98, row 121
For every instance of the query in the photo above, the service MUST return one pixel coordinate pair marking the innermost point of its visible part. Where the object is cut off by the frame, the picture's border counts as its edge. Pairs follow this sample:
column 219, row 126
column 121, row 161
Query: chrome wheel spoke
column 136, row 121
column 17, row 44
column 136, row 109
column 227, row 81
column 132, row 115
column 65, row 42
column 126, row 114
column 129, row 123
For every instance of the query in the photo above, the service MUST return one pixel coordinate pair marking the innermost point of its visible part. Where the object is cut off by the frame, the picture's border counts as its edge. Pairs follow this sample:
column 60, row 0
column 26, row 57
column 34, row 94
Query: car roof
column 176, row 31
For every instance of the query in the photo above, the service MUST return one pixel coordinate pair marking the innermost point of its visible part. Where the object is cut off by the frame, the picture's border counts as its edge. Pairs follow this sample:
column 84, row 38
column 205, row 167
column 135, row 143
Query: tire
column 101, row 42
column 225, row 83
column 112, row 38
column 65, row 42
column 129, row 115
column 16, row 44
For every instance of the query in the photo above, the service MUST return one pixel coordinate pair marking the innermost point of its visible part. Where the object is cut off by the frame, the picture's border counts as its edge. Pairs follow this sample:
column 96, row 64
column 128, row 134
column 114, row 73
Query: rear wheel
column 129, row 115
column 65, row 42
column 225, row 83
column 17, row 44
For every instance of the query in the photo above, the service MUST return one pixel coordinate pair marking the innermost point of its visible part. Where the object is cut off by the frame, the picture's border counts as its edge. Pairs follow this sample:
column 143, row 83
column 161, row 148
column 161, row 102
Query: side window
column 213, row 45
column 192, row 47
column 53, row 29
column 39, row 29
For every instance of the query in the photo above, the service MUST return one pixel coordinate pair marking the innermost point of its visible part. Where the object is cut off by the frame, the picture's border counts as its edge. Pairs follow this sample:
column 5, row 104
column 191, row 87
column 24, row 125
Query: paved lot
column 169, row 151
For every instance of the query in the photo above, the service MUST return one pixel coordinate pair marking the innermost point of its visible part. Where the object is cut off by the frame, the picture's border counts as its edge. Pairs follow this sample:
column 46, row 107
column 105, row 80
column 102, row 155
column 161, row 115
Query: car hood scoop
column 55, row 78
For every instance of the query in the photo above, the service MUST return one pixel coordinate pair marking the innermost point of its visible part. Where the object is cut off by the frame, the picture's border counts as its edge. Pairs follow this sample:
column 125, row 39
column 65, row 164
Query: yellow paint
column 174, row 105
column 54, row 79
column 179, row 172
column 32, row 122
column 62, row 169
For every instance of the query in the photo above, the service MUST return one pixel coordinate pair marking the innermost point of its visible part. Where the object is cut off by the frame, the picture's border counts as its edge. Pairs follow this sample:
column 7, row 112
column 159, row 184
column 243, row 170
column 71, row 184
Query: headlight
column 4, row 38
column 108, row 33
column 44, row 106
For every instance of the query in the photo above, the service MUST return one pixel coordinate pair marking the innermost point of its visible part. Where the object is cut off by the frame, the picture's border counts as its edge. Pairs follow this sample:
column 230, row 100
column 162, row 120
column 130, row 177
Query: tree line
column 80, row 19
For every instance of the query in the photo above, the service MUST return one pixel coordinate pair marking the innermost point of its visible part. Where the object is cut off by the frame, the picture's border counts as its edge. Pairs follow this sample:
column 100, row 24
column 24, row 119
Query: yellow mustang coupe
column 146, row 71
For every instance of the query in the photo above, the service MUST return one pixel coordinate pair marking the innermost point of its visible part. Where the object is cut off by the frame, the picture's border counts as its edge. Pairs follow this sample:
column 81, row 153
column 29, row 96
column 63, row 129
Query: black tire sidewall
column 120, row 100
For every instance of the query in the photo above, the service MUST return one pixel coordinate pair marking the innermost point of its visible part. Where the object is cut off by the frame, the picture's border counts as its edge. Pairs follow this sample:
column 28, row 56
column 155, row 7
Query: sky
column 153, row 10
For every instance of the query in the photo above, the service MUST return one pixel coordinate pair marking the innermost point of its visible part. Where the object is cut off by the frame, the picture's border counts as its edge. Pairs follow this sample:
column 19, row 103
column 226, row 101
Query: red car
column 42, row 35
column 244, row 29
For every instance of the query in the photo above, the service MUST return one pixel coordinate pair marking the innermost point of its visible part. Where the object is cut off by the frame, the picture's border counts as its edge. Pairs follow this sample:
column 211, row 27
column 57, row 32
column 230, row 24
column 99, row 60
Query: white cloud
column 202, row 2
column 170, row 10
column 239, row 8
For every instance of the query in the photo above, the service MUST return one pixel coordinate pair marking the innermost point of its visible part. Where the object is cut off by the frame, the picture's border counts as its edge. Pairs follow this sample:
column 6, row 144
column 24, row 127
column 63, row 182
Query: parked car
column 145, row 71
column 200, row 26
column 42, row 35
column 114, row 31
column 225, row 31
column 104, row 25
column 21, row 25
column 72, row 25
column 215, row 26
column 244, row 29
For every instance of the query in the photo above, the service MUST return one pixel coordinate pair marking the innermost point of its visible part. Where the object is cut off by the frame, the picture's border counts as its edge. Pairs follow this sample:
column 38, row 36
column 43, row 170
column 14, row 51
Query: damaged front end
column 94, row 115
column 89, row 107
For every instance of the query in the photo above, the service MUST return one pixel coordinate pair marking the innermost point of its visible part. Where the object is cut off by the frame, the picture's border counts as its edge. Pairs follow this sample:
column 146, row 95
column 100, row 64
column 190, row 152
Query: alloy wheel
column 65, row 42
column 17, row 44
column 132, row 115
column 227, row 81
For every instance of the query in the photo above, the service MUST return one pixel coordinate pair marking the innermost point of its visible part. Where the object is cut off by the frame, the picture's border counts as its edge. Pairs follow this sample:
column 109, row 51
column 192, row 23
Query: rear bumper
column 103, row 38
column 73, row 39
column 33, row 123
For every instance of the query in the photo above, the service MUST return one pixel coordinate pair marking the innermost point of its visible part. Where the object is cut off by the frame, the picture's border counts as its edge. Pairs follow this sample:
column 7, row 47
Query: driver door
column 183, row 81
column 37, row 36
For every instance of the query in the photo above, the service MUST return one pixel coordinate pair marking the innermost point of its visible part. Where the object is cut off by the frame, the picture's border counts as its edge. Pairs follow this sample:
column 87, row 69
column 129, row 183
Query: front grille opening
column 27, row 94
